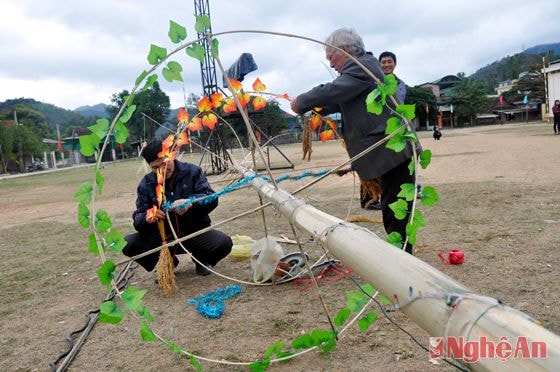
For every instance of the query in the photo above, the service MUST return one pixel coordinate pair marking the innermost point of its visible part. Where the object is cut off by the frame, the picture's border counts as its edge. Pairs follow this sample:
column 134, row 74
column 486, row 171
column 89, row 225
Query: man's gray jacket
column 360, row 129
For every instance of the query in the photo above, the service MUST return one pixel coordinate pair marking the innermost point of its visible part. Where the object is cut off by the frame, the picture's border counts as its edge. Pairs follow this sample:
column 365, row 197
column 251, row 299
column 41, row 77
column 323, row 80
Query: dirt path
column 500, row 203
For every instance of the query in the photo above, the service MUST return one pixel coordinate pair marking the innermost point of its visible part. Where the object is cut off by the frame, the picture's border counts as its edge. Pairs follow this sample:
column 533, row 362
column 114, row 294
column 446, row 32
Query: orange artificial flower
column 259, row 103
column 315, row 121
column 217, row 99
column 244, row 99
column 182, row 139
column 209, row 121
column 195, row 125
column 236, row 85
column 326, row 135
column 159, row 194
column 331, row 123
column 166, row 147
column 229, row 105
column 258, row 86
column 204, row 104
column 150, row 213
column 182, row 115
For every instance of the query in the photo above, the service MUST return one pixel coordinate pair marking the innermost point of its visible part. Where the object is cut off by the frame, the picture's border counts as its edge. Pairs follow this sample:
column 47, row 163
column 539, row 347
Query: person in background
column 388, row 62
column 556, row 114
column 182, row 181
column 360, row 129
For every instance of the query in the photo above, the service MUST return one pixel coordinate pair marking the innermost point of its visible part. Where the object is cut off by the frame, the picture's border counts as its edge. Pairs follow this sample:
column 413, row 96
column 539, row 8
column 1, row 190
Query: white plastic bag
column 265, row 255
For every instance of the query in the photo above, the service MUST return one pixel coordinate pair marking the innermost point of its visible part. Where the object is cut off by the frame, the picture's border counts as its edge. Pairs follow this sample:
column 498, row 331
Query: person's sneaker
column 203, row 271
column 374, row 206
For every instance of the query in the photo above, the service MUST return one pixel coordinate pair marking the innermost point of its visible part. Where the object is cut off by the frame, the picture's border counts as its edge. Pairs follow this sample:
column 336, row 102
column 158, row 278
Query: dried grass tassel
column 165, row 267
column 370, row 190
column 306, row 140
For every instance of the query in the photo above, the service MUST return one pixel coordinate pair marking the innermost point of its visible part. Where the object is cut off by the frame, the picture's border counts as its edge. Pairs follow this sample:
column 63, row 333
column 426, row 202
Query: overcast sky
column 74, row 53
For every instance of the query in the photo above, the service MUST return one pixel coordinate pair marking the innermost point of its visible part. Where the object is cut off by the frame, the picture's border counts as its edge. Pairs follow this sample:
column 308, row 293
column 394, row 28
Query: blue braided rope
column 211, row 304
column 241, row 183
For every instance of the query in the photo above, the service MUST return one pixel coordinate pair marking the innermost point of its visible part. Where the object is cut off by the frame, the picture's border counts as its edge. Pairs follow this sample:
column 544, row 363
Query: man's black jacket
column 187, row 181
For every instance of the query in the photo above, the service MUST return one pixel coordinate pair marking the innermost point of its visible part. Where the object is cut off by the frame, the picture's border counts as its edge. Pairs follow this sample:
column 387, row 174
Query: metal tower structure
column 219, row 156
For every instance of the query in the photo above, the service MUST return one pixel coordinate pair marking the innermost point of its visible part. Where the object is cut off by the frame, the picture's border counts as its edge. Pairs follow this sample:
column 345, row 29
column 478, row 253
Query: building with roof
column 552, row 74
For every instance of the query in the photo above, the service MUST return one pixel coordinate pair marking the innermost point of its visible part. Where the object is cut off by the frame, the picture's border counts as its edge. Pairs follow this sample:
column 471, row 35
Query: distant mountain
column 53, row 114
column 509, row 68
column 95, row 110
column 543, row 48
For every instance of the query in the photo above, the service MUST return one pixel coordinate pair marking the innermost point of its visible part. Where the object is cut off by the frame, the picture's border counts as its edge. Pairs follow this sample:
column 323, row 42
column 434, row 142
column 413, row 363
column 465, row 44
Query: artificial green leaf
column 342, row 316
column 202, row 23
column 101, row 128
column 355, row 300
column 172, row 72
column 397, row 143
column 106, row 272
column 93, row 247
column 429, row 196
column 194, row 363
column 284, row 354
column 83, row 215
column 121, row 132
column 115, row 240
column 273, row 349
column 84, row 193
column 384, row 299
column 425, row 158
column 141, row 77
column 413, row 226
column 303, row 342
column 156, row 55
column 418, row 218
column 407, row 191
column 149, row 82
column 408, row 111
column 132, row 297
column 145, row 313
column 146, row 332
column 369, row 289
column 367, row 321
column 129, row 99
column 127, row 114
column 390, row 84
column 324, row 340
column 177, row 33
column 259, row 365
column 109, row 312
column 327, row 346
column 99, row 181
column 412, row 167
column 319, row 336
column 399, row 208
column 173, row 347
column 88, row 144
column 394, row 124
column 410, row 135
column 102, row 221
column 395, row 239
column 372, row 104
column 196, row 51
column 215, row 48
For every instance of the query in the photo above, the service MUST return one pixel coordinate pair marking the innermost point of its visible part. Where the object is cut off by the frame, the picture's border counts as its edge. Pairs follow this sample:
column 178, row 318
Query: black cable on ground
column 74, row 345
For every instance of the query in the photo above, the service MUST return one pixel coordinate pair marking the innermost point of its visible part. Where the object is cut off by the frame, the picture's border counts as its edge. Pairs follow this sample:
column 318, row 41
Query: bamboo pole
column 393, row 272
